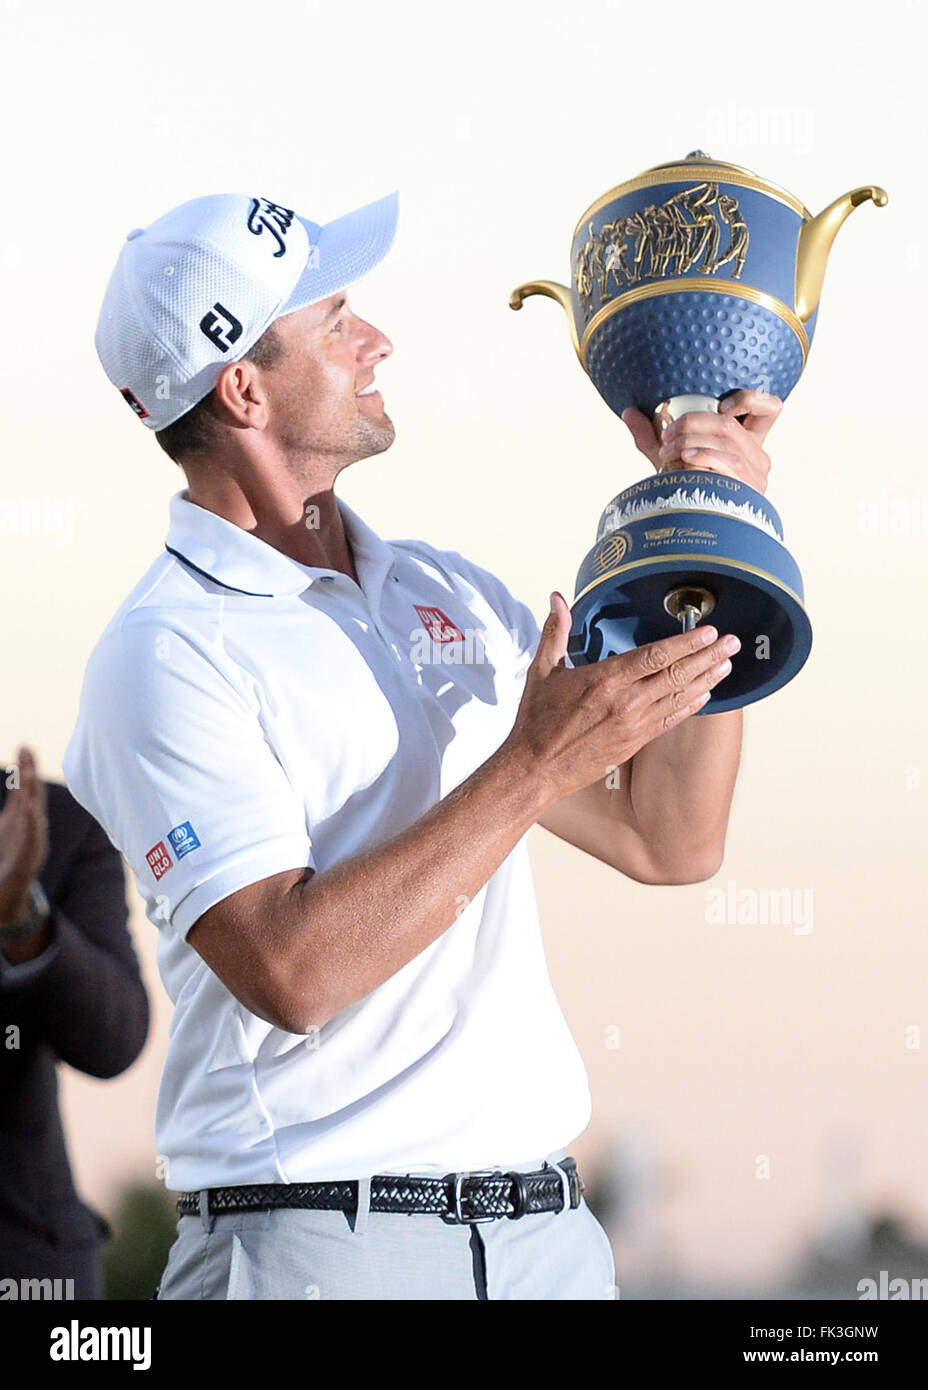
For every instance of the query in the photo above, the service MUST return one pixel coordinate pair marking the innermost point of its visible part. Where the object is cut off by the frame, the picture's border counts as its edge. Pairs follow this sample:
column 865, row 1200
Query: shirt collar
column 237, row 560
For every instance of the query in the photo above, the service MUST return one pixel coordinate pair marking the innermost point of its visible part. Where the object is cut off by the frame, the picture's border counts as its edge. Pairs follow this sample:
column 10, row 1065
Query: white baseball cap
column 198, row 287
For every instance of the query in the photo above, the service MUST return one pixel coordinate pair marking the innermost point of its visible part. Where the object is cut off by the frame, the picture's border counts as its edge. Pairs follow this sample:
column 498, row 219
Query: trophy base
column 641, row 580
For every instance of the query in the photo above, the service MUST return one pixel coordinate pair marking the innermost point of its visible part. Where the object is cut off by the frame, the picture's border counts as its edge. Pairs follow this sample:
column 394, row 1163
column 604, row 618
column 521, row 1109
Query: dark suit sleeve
column 88, row 1002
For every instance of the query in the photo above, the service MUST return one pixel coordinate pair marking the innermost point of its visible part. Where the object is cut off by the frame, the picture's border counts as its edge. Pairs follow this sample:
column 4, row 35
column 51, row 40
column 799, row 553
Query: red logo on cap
column 135, row 403
column 159, row 861
column 438, row 625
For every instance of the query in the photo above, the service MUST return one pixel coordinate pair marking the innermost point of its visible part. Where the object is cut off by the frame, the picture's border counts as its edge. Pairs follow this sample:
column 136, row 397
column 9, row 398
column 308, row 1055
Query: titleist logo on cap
column 277, row 220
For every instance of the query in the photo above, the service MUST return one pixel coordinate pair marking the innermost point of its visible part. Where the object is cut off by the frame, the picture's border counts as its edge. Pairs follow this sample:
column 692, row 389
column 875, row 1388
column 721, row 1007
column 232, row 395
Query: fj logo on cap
column 222, row 336
column 265, row 214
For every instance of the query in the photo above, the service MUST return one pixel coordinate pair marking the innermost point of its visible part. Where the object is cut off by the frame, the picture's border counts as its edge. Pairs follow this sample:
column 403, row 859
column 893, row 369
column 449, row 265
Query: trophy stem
column 676, row 406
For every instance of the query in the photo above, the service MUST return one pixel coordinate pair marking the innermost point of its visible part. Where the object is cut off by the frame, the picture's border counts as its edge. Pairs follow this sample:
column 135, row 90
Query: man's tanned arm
column 298, row 947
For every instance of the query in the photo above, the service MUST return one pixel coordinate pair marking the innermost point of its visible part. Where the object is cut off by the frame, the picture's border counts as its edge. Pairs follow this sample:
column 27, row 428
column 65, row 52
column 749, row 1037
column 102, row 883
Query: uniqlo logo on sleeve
column 159, row 861
column 438, row 625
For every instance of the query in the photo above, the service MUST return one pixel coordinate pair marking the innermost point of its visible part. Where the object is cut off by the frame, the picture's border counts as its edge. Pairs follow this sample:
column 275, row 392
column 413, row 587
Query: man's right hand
column 300, row 946
column 573, row 725
column 23, row 841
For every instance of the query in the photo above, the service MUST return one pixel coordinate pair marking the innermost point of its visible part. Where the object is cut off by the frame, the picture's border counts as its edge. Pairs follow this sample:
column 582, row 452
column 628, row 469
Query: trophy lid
column 696, row 165
column 700, row 157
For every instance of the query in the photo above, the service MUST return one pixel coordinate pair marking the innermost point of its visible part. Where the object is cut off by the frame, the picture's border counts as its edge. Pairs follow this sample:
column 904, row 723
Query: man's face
column 315, row 389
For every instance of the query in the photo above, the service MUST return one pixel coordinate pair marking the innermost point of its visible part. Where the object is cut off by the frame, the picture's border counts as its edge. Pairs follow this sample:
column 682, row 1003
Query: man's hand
column 716, row 443
column 23, row 841
column 574, row 724
column 298, row 947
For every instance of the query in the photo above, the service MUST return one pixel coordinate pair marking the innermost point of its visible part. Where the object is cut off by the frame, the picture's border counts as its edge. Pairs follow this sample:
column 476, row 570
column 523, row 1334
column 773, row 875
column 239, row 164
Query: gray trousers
column 294, row 1254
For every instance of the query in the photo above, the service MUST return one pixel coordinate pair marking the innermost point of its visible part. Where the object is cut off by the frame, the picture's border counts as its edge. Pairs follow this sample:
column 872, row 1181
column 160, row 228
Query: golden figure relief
column 669, row 238
column 738, row 234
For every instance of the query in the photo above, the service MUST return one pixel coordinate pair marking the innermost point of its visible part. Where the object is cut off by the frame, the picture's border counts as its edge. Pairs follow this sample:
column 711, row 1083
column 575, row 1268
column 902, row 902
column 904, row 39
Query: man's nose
column 374, row 344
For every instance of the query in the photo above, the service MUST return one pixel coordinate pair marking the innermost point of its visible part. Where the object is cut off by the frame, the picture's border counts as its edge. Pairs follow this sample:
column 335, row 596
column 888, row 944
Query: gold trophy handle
column 553, row 291
column 815, row 239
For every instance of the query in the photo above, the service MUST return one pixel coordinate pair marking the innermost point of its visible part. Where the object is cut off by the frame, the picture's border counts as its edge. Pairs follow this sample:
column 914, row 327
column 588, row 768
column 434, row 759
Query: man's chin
column 377, row 437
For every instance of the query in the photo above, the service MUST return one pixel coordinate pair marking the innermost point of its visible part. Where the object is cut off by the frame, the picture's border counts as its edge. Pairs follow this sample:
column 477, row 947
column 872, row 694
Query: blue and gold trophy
column 693, row 280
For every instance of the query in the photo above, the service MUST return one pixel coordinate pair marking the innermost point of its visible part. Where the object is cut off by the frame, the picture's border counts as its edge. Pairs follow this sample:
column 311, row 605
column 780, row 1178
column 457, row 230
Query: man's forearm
column 681, row 787
column 300, row 946
column 343, row 931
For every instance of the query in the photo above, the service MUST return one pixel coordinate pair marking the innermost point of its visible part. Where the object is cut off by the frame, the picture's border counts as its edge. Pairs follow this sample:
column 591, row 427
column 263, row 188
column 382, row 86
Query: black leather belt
column 459, row 1198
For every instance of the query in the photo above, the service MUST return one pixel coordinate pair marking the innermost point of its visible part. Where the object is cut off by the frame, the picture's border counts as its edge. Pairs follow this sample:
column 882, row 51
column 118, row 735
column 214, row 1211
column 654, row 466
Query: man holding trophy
column 370, row 1087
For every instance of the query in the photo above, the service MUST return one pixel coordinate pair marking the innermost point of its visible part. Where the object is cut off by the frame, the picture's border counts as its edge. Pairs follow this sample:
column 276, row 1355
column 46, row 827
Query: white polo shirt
column 244, row 714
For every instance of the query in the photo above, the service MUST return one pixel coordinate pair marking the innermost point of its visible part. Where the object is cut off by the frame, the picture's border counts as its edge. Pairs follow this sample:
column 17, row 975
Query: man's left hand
column 716, row 443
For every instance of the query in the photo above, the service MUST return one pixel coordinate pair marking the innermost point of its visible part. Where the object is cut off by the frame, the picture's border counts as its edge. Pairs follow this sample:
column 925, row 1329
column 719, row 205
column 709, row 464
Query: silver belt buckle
column 458, row 1180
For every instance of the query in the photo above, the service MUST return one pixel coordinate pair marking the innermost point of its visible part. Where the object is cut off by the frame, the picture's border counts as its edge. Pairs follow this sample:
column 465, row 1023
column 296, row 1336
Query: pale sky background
column 499, row 124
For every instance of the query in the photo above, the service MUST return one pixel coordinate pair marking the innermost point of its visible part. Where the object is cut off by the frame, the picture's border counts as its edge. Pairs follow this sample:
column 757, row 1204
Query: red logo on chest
column 159, row 861
column 438, row 625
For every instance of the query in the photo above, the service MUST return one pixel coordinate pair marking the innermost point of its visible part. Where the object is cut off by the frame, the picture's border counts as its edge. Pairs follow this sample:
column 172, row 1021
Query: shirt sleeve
column 169, row 755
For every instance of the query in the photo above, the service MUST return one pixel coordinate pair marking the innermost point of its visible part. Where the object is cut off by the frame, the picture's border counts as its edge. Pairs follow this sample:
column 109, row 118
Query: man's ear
column 239, row 398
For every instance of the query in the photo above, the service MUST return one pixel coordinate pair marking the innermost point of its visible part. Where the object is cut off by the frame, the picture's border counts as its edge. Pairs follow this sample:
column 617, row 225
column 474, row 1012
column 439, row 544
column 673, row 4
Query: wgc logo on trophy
column 690, row 281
